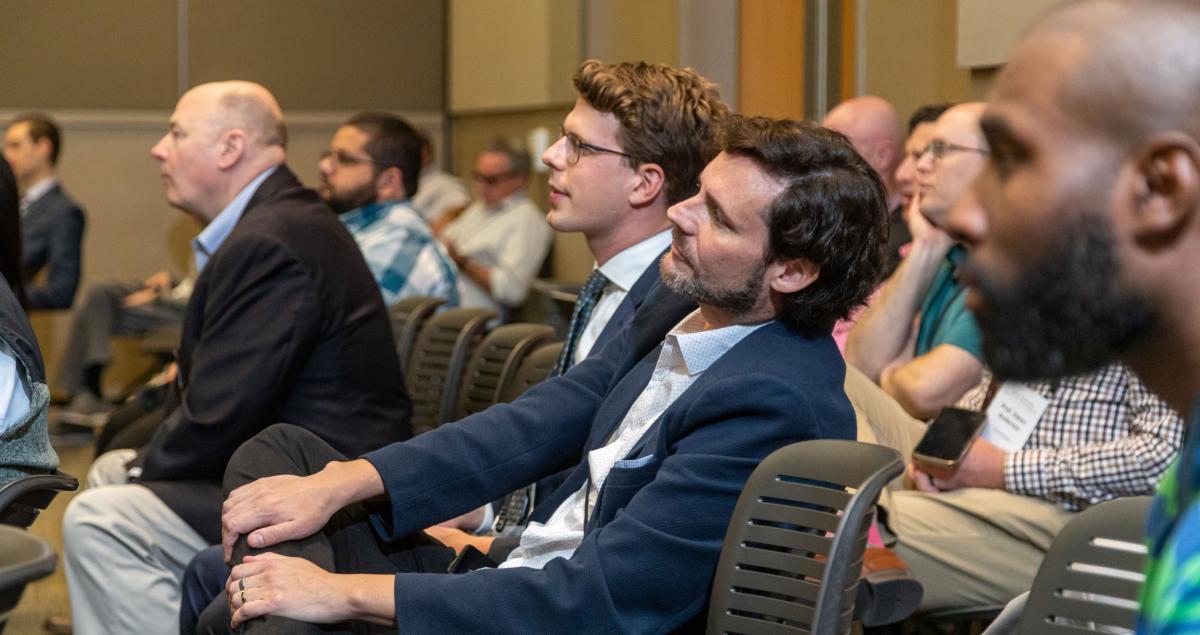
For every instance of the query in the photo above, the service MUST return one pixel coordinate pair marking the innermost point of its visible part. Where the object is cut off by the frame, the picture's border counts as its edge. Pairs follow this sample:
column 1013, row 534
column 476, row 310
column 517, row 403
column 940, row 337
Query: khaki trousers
column 969, row 548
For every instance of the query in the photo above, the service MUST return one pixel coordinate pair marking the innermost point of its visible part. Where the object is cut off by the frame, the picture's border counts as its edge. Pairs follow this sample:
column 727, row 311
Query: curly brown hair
column 668, row 116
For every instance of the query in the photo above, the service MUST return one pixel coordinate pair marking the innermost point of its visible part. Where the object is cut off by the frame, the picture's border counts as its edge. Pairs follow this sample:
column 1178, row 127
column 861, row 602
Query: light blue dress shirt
column 207, row 242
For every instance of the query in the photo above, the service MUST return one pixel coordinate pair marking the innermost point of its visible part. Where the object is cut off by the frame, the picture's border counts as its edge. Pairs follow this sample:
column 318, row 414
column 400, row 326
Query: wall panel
column 324, row 54
column 88, row 53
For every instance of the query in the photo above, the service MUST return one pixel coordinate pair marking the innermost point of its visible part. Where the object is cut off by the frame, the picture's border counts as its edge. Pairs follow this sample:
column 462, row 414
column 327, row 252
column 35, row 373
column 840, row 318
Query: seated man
column 978, row 538
column 933, row 364
column 52, row 222
column 368, row 176
column 113, row 308
column 663, row 436
column 500, row 241
column 285, row 323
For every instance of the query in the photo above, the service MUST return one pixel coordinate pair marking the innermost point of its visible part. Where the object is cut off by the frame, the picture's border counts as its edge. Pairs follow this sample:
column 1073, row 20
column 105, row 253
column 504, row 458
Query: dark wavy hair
column 833, row 213
column 10, row 232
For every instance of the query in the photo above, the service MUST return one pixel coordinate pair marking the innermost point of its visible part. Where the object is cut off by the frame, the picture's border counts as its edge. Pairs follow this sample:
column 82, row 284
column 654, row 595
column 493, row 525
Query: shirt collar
column 700, row 348
column 957, row 255
column 625, row 268
column 208, row 241
column 38, row 190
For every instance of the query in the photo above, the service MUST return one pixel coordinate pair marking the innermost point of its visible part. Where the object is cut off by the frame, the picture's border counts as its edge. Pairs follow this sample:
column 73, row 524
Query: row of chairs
column 454, row 367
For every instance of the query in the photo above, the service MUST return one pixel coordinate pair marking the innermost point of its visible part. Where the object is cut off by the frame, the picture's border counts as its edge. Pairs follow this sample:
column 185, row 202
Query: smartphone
column 947, row 440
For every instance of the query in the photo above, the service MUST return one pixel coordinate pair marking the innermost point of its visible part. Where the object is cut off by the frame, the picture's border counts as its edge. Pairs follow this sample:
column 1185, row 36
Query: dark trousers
column 347, row 544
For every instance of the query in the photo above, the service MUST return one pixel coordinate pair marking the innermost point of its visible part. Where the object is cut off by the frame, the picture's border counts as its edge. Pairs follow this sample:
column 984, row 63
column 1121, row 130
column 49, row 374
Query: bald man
column 285, row 323
column 873, row 127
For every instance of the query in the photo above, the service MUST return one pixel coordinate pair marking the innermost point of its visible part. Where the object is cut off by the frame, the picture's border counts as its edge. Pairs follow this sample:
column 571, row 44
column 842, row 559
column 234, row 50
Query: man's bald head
column 874, row 128
column 1134, row 66
column 221, row 136
column 241, row 105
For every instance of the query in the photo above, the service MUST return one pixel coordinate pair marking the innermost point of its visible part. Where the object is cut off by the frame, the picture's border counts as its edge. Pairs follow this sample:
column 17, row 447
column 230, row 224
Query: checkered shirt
column 1103, row 435
column 401, row 252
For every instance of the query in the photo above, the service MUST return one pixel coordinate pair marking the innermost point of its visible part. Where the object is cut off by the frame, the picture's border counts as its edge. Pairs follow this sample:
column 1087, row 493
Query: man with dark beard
column 784, row 238
column 1087, row 236
column 368, row 176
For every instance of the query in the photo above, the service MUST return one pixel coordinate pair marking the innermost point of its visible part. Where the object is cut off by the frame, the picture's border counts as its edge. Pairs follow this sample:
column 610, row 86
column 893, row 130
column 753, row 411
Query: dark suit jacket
column 51, row 238
column 285, row 323
column 652, row 544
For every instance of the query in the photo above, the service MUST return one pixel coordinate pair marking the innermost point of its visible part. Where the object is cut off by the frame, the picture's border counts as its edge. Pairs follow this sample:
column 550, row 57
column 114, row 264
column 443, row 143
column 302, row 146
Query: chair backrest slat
column 408, row 316
column 495, row 363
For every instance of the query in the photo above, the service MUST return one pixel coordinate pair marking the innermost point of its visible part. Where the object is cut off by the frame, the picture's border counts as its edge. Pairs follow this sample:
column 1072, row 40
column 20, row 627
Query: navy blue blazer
column 51, row 238
column 650, row 549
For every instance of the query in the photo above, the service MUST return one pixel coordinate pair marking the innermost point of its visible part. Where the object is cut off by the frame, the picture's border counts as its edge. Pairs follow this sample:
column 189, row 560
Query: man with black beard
column 369, row 176
column 976, row 537
column 1086, row 239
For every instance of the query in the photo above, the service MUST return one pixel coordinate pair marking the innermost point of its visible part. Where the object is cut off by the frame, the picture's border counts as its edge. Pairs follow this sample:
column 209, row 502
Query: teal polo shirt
column 944, row 315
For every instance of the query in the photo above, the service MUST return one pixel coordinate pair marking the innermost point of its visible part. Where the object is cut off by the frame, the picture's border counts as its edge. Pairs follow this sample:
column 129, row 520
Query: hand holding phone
column 946, row 441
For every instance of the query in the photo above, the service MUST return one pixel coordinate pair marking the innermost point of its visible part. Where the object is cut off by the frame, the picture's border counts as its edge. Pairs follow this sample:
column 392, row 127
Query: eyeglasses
column 491, row 179
column 938, row 149
column 576, row 146
column 343, row 159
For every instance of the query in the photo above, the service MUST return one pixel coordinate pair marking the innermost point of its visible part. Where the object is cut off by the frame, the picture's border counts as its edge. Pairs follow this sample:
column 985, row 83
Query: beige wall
column 910, row 48
column 512, row 54
column 988, row 29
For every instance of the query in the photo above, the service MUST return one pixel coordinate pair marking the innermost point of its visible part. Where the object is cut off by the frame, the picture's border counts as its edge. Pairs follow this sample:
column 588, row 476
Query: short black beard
column 351, row 200
column 1066, row 314
column 736, row 301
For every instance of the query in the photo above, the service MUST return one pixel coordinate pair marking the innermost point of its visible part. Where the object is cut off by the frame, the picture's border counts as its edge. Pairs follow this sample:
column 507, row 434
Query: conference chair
column 534, row 369
column 1090, row 578
column 436, row 365
column 408, row 316
column 23, row 559
column 793, row 553
column 495, row 363
column 23, row 499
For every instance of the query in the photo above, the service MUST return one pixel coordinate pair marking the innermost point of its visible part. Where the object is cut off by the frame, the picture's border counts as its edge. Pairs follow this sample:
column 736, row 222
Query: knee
column 86, row 515
column 109, row 468
column 255, row 458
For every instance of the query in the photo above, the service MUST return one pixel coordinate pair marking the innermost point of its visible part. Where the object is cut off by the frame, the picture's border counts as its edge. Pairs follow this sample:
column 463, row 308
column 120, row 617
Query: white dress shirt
column 511, row 239
column 622, row 271
column 438, row 192
column 686, row 353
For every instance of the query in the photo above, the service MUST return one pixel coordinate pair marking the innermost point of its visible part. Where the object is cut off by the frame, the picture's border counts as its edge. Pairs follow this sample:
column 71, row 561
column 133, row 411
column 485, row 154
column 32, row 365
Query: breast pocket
column 626, row 479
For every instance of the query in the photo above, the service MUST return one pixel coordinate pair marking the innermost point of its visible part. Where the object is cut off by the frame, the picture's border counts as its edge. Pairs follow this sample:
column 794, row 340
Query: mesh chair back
column 1089, row 579
column 794, row 549
column 436, row 366
column 495, row 362
column 408, row 316
column 23, row 499
column 23, row 559
column 534, row 369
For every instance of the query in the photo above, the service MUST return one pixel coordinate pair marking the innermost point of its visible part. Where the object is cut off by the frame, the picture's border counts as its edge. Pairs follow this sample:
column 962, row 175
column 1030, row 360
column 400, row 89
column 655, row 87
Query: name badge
column 1013, row 414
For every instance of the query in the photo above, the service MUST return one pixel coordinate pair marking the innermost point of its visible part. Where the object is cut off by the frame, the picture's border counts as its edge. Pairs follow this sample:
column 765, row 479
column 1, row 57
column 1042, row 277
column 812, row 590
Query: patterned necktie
column 586, row 301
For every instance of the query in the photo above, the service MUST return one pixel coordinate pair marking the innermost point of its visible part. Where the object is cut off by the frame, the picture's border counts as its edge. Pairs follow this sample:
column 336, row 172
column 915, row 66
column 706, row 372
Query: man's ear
column 651, row 180
column 232, row 147
column 1167, row 182
column 43, row 146
column 792, row 275
column 389, row 184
